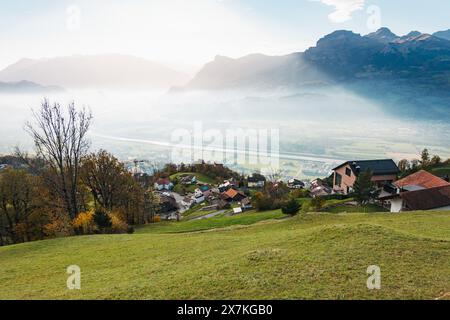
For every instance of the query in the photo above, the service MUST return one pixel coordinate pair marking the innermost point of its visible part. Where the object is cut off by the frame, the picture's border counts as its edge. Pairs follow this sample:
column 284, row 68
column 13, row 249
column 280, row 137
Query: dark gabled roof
column 378, row 167
column 296, row 182
column 427, row 199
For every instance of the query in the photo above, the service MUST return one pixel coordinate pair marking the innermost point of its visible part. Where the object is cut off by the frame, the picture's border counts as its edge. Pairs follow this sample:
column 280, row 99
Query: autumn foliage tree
column 63, row 190
column 114, row 188
column 22, row 200
column 272, row 197
column 106, row 178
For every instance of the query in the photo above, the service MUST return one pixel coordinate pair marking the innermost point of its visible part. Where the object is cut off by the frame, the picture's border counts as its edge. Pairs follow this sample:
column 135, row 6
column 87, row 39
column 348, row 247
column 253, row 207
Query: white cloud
column 343, row 9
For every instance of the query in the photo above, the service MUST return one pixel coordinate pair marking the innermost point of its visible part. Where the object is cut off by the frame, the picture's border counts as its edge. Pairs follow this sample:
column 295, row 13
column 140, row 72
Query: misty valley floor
column 314, row 256
column 325, row 126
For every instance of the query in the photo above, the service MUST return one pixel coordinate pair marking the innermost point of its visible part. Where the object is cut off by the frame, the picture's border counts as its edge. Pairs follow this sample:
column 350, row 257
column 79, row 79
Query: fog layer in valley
column 318, row 127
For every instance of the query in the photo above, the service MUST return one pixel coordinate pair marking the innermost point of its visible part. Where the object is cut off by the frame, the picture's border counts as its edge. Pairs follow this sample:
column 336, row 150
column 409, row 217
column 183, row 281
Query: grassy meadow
column 252, row 256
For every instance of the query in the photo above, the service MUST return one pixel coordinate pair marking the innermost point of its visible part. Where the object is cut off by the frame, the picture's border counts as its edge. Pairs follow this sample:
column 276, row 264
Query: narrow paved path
column 211, row 215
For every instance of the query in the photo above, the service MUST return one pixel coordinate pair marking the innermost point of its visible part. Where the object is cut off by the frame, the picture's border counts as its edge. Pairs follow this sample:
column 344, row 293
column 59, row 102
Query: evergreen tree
column 364, row 189
column 291, row 207
column 102, row 219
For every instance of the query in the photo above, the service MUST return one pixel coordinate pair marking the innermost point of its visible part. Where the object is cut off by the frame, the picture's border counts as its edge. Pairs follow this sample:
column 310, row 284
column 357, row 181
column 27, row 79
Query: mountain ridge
column 81, row 71
column 339, row 56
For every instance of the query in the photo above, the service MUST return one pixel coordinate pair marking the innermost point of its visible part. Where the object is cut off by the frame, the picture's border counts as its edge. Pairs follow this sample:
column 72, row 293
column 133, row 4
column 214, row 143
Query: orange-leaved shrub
column 84, row 223
column 155, row 219
column 118, row 222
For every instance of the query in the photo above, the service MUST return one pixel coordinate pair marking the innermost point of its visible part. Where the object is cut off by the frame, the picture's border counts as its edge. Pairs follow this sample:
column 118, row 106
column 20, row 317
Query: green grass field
column 441, row 171
column 314, row 256
column 212, row 223
column 369, row 208
column 182, row 189
column 200, row 177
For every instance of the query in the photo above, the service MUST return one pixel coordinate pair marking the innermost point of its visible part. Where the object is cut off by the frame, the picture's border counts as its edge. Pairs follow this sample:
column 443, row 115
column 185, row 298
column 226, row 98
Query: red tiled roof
column 423, row 179
column 163, row 181
column 231, row 193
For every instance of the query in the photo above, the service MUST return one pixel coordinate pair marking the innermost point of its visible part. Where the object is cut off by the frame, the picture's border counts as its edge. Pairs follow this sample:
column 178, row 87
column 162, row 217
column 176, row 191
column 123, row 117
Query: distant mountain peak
column 413, row 34
column 384, row 35
column 342, row 34
column 338, row 38
column 221, row 58
column 385, row 31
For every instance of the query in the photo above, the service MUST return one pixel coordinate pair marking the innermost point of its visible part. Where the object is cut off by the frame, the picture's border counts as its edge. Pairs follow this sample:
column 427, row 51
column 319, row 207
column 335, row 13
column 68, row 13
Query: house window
column 348, row 172
column 338, row 179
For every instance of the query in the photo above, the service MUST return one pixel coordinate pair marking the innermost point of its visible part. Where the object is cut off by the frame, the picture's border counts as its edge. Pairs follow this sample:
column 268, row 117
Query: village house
column 227, row 184
column 188, row 180
column 316, row 183
column 295, row 184
column 187, row 202
column 417, row 181
column 320, row 191
column 256, row 182
column 410, row 193
column 167, row 203
column 433, row 199
column 345, row 175
column 232, row 195
column 163, row 184
column 421, row 179
column 246, row 204
column 206, row 190
column 199, row 197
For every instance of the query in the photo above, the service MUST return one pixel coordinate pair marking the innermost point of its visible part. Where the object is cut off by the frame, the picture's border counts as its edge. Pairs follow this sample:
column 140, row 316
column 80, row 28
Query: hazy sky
column 192, row 32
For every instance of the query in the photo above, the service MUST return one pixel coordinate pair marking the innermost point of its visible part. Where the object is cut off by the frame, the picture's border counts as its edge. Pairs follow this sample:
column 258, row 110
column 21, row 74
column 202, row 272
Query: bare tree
column 60, row 139
column 274, row 175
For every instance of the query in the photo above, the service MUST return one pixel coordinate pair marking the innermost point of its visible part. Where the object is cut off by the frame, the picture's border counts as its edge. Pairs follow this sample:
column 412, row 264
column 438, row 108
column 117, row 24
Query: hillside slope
column 309, row 257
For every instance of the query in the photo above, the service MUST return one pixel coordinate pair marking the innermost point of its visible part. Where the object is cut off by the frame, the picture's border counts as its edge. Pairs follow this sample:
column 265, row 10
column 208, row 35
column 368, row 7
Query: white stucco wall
column 396, row 205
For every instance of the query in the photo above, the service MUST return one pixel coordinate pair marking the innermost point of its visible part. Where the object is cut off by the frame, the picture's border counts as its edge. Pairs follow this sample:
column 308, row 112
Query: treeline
column 64, row 189
column 426, row 162
column 215, row 171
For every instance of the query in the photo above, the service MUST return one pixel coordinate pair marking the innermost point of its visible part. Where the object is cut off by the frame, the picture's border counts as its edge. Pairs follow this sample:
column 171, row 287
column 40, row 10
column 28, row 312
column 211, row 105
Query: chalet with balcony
column 384, row 172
